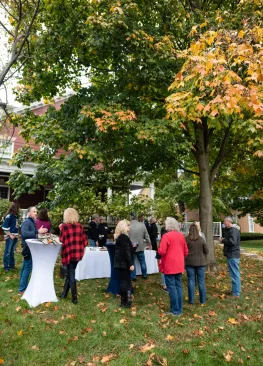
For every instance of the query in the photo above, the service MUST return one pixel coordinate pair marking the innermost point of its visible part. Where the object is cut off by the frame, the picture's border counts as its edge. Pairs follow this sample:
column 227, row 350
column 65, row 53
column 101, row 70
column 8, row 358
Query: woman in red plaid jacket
column 73, row 241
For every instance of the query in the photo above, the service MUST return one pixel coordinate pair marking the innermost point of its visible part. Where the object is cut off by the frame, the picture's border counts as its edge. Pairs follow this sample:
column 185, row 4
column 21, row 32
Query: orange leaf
column 232, row 321
column 20, row 333
column 1, row 361
column 147, row 347
column 108, row 358
column 169, row 338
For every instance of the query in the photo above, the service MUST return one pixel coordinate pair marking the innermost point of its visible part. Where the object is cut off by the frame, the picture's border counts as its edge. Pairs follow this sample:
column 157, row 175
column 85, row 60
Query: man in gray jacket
column 139, row 235
column 231, row 243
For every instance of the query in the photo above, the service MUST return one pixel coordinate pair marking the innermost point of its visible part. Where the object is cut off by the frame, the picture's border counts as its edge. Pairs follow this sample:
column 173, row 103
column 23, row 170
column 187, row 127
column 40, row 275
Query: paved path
column 246, row 254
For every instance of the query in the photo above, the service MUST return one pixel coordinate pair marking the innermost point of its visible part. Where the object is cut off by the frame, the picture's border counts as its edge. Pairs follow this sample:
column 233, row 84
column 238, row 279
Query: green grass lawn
column 226, row 329
column 254, row 246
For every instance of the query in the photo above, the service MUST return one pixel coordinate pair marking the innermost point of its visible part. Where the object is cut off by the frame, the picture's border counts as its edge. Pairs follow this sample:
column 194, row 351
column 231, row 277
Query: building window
column 250, row 223
column 4, row 192
column 6, row 149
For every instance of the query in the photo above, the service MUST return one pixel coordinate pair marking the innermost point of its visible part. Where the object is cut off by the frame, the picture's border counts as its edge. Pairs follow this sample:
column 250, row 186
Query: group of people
column 175, row 253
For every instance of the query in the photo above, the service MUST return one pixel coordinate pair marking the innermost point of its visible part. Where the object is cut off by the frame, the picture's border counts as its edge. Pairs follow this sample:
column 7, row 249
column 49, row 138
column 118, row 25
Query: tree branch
column 188, row 170
column 221, row 153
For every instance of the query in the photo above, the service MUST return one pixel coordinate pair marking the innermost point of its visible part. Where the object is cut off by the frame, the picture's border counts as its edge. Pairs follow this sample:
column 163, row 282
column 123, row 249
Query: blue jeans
column 24, row 275
column 141, row 258
column 192, row 273
column 233, row 267
column 163, row 280
column 9, row 258
column 92, row 243
column 174, row 287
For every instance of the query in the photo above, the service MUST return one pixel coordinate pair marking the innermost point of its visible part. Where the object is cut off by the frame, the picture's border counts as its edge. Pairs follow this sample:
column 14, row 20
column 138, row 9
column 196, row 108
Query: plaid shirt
column 73, row 241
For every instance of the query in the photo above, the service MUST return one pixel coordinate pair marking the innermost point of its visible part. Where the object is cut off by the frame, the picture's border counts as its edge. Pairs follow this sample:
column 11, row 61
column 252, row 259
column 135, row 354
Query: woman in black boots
column 73, row 241
column 124, row 261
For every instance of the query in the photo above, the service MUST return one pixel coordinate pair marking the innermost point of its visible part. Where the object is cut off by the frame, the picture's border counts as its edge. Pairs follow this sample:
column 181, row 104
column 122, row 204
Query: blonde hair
column 71, row 216
column 197, row 224
column 121, row 228
column 171, row 224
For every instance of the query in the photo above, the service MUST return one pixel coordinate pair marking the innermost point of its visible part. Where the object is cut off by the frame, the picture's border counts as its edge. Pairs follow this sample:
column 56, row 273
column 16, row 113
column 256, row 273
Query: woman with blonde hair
column 73, row 241
column 124, row 260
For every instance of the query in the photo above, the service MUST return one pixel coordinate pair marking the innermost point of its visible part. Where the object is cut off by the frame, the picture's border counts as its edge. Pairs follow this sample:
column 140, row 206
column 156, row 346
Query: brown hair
column 14, row 209
column 43, row 215
column 193, row 232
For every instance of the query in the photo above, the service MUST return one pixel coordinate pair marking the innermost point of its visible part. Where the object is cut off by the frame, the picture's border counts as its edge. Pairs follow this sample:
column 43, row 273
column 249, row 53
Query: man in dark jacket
column 231, row 243
column 93, row 232
column 153, row 232
column 28, row 231
column 103, row 232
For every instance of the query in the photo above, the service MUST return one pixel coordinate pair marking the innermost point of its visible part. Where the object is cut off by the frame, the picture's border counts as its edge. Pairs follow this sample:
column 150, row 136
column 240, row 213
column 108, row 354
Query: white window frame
column 251, row 227
column 6, row 153
column 8, row 191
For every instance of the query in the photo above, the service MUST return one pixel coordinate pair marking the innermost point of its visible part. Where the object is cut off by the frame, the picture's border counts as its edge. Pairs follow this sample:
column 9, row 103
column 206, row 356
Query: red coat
column 73, row 241
column 173, row 250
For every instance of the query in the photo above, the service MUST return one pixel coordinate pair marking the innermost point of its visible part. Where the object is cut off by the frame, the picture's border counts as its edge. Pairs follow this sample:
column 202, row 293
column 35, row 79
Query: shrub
column 251, row 236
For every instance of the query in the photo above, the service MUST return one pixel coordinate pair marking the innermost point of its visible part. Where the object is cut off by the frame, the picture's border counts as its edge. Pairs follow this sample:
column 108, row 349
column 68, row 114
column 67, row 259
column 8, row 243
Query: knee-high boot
column 123, row 291
column 65, row 289
column 74, row 292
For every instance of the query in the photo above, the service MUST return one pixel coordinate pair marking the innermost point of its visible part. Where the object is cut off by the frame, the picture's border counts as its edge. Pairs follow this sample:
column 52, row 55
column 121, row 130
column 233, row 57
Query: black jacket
column 153, row 231
column 231, row 243
column 93, row 232
column 123, row 252
column 103, row 232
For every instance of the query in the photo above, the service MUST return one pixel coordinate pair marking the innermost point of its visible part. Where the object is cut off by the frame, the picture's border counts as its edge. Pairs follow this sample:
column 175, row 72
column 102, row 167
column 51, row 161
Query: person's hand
column 42, row 230
column 11, row 236
column 60, row 227
column 131, row 268
column 97, row 243
column 220, row 240
column 150, row 247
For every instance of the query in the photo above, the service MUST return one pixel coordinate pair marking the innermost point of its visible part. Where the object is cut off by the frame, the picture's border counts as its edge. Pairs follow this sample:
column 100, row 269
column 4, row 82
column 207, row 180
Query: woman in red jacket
column 173, row 250
column 73, row 241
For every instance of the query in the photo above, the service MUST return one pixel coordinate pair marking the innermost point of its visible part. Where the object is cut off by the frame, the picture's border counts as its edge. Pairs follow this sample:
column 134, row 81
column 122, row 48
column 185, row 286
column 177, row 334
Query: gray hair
column 30, row 208
column 229, row 218
column 153, row 219
column 171, row 224
column 95, row 216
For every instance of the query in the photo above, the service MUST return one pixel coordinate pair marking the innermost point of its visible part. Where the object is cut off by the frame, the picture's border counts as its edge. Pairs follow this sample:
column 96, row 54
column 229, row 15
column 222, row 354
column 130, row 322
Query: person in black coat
column 124, row 261
column 103, row 232
column 153, row 232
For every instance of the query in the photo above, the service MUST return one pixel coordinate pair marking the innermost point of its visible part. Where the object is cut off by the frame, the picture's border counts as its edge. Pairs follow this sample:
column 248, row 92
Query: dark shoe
column 164, row 288
column 134, row 279
column 74, row 300
column 65, row 291
column 144, row 277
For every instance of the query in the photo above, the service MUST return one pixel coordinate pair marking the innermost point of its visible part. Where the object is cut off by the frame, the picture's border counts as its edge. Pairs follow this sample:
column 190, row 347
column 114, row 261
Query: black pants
column 154, row 243
column 125, row 283
column 102, row 243
column 71, row 267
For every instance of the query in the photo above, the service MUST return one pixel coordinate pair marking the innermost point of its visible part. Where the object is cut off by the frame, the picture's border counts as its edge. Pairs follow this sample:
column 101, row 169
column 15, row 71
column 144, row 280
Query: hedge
column 251, row 236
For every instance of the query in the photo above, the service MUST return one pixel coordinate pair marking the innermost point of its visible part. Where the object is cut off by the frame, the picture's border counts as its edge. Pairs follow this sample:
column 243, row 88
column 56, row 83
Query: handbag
column 49, row 239
column 63, row 271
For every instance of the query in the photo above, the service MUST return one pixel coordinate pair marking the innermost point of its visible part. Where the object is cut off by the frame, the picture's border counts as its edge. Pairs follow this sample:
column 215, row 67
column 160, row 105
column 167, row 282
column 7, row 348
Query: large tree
column 129, row 52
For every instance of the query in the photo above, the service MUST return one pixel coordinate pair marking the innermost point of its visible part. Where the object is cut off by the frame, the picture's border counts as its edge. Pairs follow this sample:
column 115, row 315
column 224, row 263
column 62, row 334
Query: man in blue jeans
column 28, row 231
column 139, row 236
column 231, row 243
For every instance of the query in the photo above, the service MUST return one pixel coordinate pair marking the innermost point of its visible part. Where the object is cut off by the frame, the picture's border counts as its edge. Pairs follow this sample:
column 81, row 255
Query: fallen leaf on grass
column 133, row 313
column 108, row 358
column 199, row 332
column 221, row 328
column 150, row 359
column 186, row 351
column 147, row 347
column 228, row 356
column 131, row 346
column 9, row 290
column 18, row 308
column 81, row 359
column 243, row 349
column 212, row 313
column 70, row 316
column 1, row 361
column 88, row 330
column 20, row 333
column 104, row 334
column 35, row 348
column 232, row 321
column 123, row 320
column 197, row 316
column 47, row 305
column 93, row 321
column 169, row 338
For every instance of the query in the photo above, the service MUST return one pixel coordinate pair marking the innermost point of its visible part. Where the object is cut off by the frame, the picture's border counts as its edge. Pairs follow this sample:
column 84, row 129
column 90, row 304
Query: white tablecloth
column 41, row 285
column 96, row 264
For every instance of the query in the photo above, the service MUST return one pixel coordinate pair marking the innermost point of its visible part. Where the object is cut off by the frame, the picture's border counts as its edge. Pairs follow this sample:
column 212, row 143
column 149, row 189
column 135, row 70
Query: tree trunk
column 205, row 196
